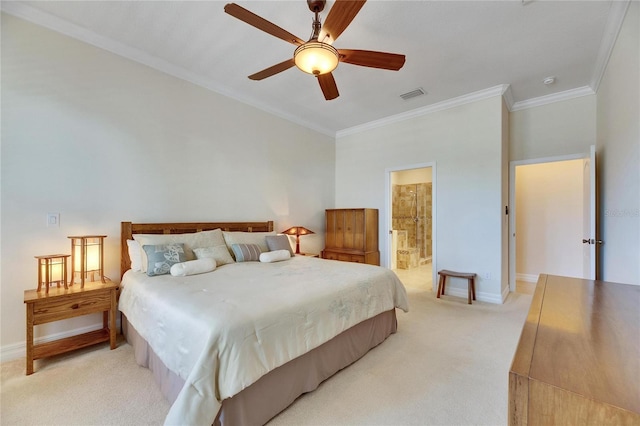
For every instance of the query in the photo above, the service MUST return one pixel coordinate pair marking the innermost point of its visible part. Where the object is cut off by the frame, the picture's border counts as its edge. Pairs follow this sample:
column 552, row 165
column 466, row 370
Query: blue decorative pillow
column 246, row 252
column 161, row 257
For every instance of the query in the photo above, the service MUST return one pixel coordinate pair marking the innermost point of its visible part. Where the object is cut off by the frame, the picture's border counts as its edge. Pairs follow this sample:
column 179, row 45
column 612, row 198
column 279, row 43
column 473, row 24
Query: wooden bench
column 471, row 279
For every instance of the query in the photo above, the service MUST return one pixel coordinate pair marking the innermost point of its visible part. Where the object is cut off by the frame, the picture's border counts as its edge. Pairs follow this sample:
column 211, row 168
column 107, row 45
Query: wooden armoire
column 352, row 235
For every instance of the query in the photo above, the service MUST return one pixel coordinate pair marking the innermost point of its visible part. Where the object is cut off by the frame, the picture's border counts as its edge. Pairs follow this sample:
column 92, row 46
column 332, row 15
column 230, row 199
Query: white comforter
column 221, row 331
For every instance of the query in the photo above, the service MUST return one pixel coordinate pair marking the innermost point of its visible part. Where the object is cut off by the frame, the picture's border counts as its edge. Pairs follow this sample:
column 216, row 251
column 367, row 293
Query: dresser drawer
column 344, row 257
column 54, row 309
column 330, row 255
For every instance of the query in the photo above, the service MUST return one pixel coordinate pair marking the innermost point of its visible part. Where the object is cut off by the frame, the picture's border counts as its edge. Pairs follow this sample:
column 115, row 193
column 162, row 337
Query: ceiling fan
column 317, row 56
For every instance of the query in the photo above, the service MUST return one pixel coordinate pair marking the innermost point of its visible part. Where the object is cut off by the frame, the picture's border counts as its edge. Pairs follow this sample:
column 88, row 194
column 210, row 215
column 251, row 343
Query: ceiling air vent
column 412, row 94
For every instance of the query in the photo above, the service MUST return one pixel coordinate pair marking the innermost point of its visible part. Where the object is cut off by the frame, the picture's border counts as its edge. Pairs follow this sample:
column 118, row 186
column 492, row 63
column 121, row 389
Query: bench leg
column 473, row 288
column 469, row 288
column 440, row 286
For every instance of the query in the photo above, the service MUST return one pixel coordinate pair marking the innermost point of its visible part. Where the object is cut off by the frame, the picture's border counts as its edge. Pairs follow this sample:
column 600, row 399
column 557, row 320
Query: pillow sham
column 279, row 242
column 239, row 237
column 246, row 252
column 218, row 253
column 135, row 257
column 161, row 257
column 193, row 267
column 275, row 256
column 190, row 240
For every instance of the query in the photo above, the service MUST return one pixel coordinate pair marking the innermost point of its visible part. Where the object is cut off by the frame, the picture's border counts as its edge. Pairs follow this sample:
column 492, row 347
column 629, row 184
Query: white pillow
column 193, row 267
column 275, row 256
column 190, row 240
column 239, row 237
column 134, row 255
column 219, row 253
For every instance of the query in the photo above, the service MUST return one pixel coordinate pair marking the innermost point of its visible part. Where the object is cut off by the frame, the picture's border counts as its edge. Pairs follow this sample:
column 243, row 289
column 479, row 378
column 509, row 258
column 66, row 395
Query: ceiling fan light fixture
column 315, row 57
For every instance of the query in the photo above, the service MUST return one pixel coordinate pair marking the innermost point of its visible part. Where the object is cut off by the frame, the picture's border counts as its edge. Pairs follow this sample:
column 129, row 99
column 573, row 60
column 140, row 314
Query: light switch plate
column 53, row 219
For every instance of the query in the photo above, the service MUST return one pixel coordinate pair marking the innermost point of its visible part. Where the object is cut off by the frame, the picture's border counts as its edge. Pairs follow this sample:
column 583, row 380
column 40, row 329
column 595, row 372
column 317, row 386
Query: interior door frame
column 512, row 203
column 388, row 212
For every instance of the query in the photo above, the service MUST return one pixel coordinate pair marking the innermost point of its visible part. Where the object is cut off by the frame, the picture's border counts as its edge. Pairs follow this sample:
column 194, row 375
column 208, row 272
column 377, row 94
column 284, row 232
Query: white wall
column 549, row 209
column 561, row 128
column 618, row 155
column 101, row 139
column 465, row 143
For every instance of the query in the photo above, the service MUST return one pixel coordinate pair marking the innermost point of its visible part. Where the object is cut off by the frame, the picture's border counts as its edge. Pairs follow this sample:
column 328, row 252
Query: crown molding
column 38, row 17
column 611, row 31
column 554, row 97
column 429, row 109
column 508, row 97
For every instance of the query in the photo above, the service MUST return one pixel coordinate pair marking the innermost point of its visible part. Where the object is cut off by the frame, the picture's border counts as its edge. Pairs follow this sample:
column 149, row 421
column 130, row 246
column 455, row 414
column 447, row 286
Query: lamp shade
column 297, row 231
column 87, row 257
column 52, row 269
column 316, row 58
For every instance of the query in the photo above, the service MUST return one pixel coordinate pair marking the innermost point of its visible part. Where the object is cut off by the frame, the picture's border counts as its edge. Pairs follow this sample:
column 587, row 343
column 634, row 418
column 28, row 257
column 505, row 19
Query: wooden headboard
column 128, row 229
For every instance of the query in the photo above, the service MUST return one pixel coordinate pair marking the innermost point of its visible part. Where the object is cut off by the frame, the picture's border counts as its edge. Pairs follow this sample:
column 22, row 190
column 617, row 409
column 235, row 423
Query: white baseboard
column 528, row 278
column 19, row 350
column 505, row 293
column 480, row 296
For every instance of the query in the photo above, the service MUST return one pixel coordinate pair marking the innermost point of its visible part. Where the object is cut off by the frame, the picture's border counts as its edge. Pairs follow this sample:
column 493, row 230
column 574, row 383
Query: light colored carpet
column 447, row 365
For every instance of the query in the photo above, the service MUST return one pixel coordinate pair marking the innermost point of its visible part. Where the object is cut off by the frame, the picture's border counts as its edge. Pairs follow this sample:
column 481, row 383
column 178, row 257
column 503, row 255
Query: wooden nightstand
column 63, row 303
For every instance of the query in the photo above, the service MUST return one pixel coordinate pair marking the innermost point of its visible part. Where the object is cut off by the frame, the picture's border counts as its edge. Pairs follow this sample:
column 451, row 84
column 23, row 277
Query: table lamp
column 87, row 257
column 297, row 231
column 52, row 269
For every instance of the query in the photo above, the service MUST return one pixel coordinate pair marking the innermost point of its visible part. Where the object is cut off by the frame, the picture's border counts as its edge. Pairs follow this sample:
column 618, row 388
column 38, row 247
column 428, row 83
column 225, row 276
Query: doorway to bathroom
column 411, row 224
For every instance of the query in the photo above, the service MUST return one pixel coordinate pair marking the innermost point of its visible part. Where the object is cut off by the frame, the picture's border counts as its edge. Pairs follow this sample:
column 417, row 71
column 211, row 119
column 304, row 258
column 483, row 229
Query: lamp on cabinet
column 52, row 269
column 297, row 231
column 87, row 257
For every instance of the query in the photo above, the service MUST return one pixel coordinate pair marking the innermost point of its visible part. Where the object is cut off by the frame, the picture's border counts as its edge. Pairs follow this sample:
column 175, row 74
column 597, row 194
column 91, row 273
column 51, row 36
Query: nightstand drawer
column 66, row 307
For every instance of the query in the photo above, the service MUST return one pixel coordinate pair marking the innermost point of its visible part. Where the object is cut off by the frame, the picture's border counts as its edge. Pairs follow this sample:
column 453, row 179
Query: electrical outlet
column 487, row 275
column 53, row 219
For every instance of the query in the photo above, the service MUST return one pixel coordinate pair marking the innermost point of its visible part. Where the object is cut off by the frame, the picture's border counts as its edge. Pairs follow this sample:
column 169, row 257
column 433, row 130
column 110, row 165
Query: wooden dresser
column 352, row 236
column 578, row 358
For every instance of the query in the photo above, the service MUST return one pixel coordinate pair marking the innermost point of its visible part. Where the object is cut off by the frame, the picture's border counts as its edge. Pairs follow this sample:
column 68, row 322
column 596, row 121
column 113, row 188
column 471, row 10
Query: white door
column 589, row 240
column 589, row 208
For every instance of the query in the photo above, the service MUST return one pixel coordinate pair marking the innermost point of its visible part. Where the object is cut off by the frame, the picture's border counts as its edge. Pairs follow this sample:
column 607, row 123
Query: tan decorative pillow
column 279, row 242
column 191, row 241
column 219, row 253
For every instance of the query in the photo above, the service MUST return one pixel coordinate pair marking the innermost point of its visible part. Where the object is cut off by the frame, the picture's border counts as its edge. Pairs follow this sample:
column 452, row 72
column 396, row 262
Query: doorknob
column 591, row 241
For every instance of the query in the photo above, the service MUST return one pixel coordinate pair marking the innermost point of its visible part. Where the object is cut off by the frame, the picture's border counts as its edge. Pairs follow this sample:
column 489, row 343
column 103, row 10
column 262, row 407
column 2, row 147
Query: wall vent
column 412, row 94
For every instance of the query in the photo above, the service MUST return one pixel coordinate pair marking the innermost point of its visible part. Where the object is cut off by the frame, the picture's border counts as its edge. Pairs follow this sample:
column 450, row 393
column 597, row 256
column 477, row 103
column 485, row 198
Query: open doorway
column 551, row 206
column 411, row 243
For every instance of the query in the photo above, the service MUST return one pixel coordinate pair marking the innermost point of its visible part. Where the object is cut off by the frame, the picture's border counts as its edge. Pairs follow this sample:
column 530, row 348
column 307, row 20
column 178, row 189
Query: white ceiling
column 454, row 50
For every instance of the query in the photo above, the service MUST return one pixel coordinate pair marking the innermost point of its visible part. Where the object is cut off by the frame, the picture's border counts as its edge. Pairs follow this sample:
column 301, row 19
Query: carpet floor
column 448, row 364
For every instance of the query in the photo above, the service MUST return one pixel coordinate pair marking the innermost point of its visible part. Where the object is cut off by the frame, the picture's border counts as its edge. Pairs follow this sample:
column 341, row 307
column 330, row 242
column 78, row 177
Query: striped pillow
column 246, row 252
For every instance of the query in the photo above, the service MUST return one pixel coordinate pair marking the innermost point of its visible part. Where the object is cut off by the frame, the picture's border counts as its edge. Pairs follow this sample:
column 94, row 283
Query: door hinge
column 506, row 210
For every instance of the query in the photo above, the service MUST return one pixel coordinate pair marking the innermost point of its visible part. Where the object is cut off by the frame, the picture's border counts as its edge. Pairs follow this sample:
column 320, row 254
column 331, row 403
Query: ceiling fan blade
column 340, row 16
column 260, row 23
column 328, row 86
column 369, row 58
column 268, row 72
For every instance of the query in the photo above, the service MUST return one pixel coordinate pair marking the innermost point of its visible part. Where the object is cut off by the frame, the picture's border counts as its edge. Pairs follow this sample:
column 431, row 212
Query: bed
column 239, row 344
